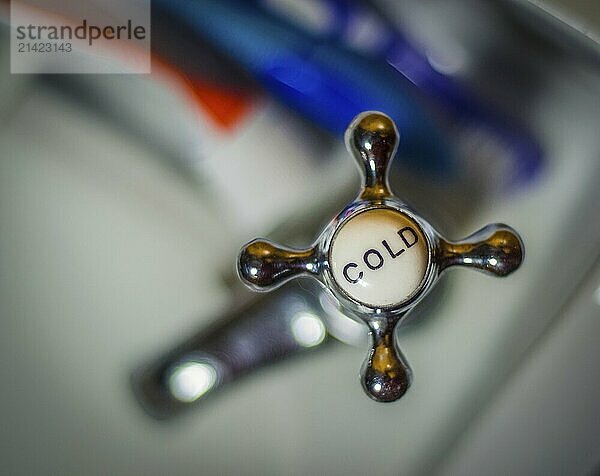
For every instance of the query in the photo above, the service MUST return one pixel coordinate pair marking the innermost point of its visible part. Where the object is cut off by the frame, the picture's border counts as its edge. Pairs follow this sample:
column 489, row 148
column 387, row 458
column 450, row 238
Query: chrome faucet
column 374, row 262
column 267, row 330
column 378, row 258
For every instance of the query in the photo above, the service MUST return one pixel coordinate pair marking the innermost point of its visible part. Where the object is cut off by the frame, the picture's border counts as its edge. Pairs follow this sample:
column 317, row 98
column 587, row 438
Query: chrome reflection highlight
column 190, row 380
column 339, row 325
column 241, row 341
column 308, row 329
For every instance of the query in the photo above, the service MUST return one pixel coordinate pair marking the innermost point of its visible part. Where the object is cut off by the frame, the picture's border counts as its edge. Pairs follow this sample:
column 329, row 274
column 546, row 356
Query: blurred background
column 128, row 345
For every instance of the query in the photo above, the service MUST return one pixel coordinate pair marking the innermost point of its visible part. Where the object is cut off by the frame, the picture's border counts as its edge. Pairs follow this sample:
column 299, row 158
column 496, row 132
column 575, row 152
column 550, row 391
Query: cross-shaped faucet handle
column 378, row 258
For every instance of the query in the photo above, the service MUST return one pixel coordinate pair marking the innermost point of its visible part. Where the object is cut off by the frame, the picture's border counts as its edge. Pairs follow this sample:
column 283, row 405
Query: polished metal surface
column 287, row 324
column 372, row 139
